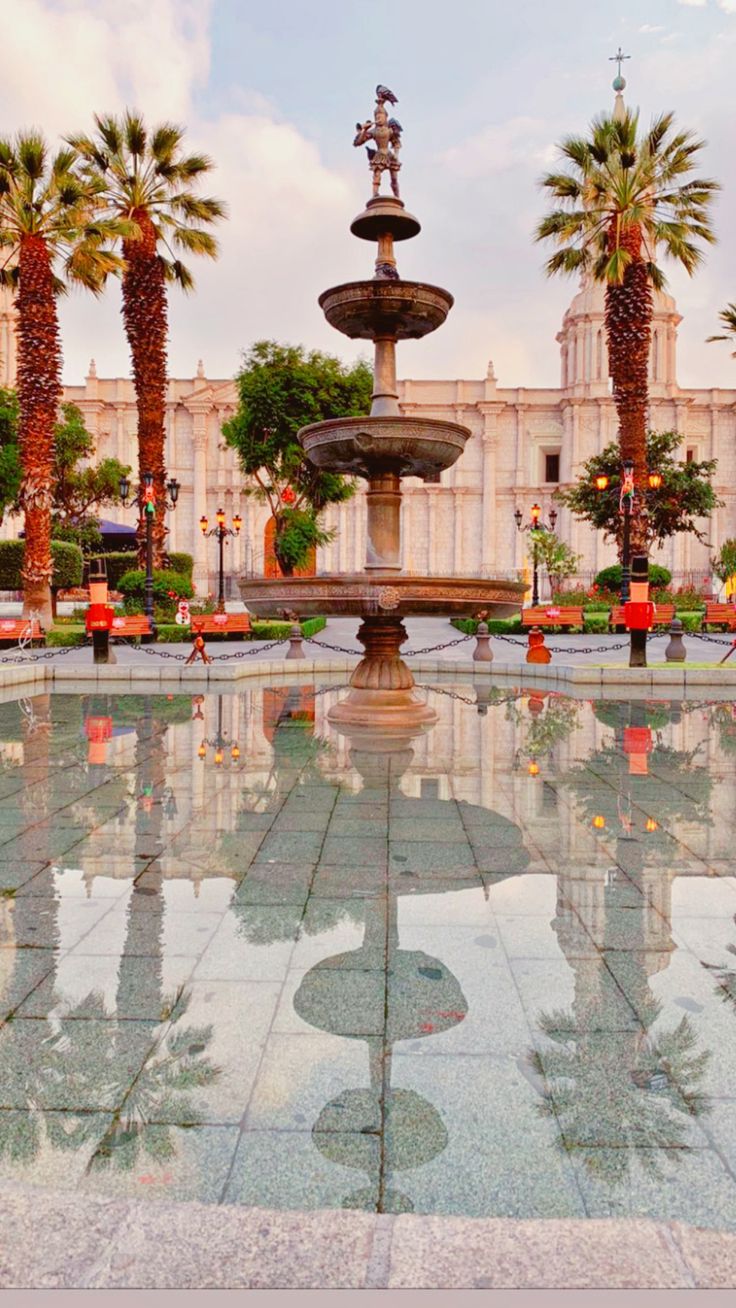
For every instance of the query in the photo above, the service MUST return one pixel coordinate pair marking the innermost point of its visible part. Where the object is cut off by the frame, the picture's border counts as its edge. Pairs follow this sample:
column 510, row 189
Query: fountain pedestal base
column 382, row 692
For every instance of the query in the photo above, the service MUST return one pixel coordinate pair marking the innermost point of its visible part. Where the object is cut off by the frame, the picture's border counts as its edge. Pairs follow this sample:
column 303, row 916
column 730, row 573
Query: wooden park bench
column 13, row 629
column 554, row 615
column 222, row 624
column 127, row 625
column 663, row 615
column 720, row 615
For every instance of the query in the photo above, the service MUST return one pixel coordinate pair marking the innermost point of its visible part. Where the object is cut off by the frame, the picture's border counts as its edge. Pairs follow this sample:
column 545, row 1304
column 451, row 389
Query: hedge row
column 67, row 559
column 170, row 633
column 594, row 623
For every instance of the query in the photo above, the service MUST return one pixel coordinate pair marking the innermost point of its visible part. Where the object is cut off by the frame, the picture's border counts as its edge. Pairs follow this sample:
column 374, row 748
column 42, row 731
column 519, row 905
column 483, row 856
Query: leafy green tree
column 11, row 471
column 724, row 564
column 79, row 490
column 728, row 320
column 281, row 389
column 625, row 198
column 685, row 495
column 557, row 557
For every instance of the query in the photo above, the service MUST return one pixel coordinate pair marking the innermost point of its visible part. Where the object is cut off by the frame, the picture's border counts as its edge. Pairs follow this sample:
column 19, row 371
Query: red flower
column 288, row 496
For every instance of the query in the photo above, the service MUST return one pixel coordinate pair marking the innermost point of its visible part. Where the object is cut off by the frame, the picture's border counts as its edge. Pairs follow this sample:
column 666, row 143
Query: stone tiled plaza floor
column 489, row 974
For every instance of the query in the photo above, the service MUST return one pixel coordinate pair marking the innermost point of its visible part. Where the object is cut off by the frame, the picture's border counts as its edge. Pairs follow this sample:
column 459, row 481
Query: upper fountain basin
column 402, row 311
column 365, row 447
column 389, row 594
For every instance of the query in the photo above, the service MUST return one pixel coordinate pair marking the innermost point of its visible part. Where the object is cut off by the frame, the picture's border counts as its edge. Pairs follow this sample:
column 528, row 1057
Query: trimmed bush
column 279, row 630
column 118, row 563
column 595, row 623
column 610, row 578
column 496, row 626
column 133, row 586
column 67, row 564
column 63, row 637
column 182, row 563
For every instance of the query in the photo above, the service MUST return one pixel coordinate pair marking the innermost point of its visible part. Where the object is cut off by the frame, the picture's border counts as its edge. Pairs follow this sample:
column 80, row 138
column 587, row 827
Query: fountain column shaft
column 385, row 401
column 383, row 524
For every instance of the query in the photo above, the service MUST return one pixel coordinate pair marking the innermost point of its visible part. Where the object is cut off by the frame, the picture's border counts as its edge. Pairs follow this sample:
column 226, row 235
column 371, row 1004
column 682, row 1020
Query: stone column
column 200, row 574
column 489, row 508
column 383, row 524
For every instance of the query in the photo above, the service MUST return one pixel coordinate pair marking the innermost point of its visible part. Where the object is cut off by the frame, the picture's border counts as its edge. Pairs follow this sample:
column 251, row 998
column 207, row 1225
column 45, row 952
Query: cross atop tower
column 618, row 58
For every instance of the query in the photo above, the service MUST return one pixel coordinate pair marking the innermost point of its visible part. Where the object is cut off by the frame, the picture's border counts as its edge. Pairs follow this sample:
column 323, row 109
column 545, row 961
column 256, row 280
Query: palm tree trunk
column 146, row 326
column 39, row 393
column 629, row 329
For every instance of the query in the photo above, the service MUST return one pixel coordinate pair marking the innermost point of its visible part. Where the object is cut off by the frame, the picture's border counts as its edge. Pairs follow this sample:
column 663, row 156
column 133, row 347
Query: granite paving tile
column 303, row 1170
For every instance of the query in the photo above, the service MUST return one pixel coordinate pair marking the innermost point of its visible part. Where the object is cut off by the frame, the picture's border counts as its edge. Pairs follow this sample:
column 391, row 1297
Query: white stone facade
column 464, row 523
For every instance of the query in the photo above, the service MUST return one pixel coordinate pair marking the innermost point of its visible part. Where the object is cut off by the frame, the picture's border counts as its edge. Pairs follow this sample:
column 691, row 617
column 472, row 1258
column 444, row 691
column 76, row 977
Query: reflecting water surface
column 490, row 970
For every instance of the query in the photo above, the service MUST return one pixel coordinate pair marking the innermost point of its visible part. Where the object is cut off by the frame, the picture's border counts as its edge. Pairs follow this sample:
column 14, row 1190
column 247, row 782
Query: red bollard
column 537, row 651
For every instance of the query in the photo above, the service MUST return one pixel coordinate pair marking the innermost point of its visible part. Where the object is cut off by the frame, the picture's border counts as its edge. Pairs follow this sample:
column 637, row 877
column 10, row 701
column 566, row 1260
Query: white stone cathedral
column 525, row 442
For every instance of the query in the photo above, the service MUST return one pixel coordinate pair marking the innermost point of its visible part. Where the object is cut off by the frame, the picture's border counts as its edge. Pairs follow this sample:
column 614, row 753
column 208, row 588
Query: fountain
column 382, row 448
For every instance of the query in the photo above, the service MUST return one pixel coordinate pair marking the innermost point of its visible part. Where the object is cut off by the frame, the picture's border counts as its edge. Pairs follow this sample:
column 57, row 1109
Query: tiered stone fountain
column 383, row 448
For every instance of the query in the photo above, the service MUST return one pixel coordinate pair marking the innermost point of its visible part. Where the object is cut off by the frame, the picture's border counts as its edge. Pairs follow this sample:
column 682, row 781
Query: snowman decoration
column 183, row 617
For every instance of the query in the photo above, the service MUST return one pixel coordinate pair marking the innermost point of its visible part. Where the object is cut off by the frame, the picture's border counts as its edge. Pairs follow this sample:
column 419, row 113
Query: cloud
column 287, row 236
column 649, row 28
column 694, row 4
column 728, row 6
column 500, row 146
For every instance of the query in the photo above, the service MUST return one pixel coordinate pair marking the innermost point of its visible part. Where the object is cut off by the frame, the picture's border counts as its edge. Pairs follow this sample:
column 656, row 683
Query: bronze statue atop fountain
column 385, row 132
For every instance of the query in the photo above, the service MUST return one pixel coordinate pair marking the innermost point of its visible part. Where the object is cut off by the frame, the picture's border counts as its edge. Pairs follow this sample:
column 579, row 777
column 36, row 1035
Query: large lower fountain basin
column 390, row 595
column 369, row 446
column 401, row 310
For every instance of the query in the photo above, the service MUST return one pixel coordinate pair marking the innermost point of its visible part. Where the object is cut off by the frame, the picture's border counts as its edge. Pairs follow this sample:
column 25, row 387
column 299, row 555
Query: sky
column 272, row 93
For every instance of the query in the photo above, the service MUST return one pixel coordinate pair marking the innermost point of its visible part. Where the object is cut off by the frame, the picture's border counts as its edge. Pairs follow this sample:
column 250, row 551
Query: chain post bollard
column 482, row 652
column 296, row 643
column 537, row 651
column 675, row 651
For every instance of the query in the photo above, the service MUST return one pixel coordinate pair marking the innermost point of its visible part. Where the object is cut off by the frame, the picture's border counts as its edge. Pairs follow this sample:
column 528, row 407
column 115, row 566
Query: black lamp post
column 221, row 532
column 626, row 504
column 145, row 501
column 534, row 527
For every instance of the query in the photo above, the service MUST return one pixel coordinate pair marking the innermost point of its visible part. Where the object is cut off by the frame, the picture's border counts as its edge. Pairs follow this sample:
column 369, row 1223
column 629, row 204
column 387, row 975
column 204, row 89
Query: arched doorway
column 270, row 564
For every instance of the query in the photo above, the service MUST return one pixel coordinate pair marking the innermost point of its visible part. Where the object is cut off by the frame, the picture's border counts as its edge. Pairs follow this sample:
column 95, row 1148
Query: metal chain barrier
column 37, row 656
column 220, row 658
column 712, row 640
column 405, row 654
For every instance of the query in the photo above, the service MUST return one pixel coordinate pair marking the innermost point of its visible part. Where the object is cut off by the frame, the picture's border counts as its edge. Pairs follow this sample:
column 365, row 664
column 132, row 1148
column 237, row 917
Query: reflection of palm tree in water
column 173, row 1065
column 83, row 1047
column 617, row 1090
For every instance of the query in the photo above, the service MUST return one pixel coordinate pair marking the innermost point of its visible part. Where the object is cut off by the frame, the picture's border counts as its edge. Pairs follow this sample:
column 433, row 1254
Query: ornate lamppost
column 534, row 527
column 145, row 501
column 221, row 532
column 626, row 502
column 220, row 742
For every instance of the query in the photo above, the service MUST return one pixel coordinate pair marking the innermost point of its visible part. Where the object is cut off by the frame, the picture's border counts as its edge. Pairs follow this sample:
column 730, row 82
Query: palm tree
column 52, row 235
column 149, row 181
column 625, row 197
column 728, row 319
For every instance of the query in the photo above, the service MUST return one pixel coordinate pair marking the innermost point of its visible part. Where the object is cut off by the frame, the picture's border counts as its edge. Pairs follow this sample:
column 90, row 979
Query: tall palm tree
column 52, row 235
column 150, row 181
column 728, row 320
column 625, row 197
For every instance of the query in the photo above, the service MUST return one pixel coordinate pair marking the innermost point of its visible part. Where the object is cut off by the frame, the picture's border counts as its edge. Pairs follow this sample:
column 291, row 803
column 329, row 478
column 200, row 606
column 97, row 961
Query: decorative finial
column 92, row 370
column 386, row 132
column 490, row 371
column 200, row 368
column 619, row 85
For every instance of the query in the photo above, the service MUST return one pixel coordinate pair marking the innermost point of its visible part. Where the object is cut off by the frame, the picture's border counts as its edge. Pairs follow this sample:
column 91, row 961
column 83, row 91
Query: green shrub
column 690, row 621
column 279, row 630
column 496, row 626
column 610, row 578
column 67, row 564
column 118, row 563
column 133, row 586
column 63, row 637
column 595, row 622
column 182, row 563
column 689, row 599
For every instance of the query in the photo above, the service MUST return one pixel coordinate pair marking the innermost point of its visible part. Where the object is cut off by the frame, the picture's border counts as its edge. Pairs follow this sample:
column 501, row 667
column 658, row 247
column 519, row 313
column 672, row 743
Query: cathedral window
column 552, row 466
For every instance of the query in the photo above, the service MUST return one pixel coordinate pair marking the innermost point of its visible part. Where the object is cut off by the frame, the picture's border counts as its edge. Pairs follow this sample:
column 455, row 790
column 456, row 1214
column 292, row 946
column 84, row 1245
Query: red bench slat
column 721, row 615
column 11, row 629
column 554, row 615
